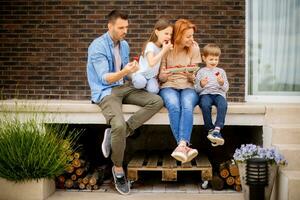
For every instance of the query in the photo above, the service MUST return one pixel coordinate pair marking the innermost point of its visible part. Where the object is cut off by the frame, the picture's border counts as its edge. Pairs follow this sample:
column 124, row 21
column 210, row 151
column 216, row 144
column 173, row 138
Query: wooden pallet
column 167, row 165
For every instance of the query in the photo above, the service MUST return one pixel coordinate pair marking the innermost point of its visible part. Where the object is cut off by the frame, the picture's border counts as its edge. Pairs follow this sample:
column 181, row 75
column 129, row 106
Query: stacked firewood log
column 227, row 177
column 78, row 175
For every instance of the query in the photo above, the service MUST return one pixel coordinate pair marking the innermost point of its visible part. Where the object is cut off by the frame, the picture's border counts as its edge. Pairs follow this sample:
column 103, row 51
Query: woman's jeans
column 180, row 105
column 206, row 102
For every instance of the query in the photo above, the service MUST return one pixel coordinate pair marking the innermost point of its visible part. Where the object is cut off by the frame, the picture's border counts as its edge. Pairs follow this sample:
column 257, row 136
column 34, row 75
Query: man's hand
column 204, row 82
column 132, row 67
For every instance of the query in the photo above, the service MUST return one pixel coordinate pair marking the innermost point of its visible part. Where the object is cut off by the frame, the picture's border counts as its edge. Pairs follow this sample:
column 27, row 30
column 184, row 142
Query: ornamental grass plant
column 32, row 150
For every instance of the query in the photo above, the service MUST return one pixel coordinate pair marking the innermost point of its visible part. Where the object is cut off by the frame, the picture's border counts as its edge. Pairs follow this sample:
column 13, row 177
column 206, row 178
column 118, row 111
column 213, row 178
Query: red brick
column 43, row 44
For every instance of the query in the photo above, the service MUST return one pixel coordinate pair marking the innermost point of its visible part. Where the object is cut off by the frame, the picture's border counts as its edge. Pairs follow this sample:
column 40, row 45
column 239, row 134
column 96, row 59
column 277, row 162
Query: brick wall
column 43, row 44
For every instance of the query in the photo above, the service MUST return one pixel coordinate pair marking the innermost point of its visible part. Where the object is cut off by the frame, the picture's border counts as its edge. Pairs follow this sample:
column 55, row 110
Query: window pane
column 274, row 47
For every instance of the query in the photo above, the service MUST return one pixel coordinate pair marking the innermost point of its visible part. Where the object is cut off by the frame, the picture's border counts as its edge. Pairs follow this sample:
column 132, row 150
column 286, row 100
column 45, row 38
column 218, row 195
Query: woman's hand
column 164, row 75
column 189, row 75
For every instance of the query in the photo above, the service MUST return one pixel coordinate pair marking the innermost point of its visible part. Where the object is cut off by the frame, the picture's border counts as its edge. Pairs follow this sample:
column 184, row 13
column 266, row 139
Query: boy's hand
column 219, row 79
column 204, row 82
column 132, row 67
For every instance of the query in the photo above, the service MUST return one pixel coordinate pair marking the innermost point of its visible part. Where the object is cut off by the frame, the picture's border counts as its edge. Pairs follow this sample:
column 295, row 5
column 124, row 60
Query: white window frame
column 261, row 98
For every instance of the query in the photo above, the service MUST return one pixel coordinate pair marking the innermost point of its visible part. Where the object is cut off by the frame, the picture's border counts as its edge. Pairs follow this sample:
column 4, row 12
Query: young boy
column 212, row 84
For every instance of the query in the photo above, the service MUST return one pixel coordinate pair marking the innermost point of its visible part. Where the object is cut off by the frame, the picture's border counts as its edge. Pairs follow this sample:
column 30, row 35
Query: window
column 273, row 50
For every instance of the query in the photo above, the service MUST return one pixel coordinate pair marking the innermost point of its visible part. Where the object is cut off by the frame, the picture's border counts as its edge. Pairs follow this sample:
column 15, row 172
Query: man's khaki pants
column 111, row 107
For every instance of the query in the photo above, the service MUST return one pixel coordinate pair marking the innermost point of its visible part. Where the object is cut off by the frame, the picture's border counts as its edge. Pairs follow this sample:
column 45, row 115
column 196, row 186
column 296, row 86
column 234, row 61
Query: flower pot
column 273, row 170
column 29, row 190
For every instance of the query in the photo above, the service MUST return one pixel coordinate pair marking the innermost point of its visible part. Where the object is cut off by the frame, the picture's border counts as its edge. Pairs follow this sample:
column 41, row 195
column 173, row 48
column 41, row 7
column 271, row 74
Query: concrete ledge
column 283, row 113
column 83, row 112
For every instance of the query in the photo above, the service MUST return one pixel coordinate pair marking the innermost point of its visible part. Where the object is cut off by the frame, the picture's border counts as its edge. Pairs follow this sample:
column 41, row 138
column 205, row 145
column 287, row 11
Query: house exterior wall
column 43, row 44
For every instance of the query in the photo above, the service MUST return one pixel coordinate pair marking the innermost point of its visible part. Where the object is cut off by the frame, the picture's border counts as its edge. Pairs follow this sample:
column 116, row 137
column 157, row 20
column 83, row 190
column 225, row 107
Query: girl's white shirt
column 147, row 71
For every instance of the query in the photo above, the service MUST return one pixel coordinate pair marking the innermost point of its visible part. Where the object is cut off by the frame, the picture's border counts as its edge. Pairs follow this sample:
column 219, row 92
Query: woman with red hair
column 177, row 87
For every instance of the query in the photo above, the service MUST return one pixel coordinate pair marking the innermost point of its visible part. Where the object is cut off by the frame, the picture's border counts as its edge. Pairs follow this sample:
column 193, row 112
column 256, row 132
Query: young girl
column 154, row 49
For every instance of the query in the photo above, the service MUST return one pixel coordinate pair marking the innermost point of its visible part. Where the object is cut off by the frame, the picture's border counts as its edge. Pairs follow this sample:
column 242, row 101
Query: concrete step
column 282, row 113
column 207, row 195
column 292, row 154
column 285, row 133
column 288, row 185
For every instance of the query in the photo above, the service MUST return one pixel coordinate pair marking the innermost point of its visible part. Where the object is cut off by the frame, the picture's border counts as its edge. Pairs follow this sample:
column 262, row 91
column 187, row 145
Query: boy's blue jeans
column 206, row 102
column 180, row 105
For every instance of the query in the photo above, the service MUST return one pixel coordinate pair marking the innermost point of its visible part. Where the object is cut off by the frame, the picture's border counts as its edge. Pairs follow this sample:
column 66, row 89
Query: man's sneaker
column 121, row 183
column 191, row 153
column 106, row 143
column 180, row 153
column 216, row 138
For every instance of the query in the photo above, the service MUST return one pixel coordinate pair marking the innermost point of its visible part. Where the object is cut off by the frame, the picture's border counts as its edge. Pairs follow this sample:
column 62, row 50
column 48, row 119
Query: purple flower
column 252, row 151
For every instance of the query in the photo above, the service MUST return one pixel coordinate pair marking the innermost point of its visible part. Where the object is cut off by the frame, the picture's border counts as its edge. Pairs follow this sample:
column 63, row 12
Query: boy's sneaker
column 210, row 131
column 121, row 183
column 216, row 138
column 106, row 143
column 191, row 153
column 180, row 153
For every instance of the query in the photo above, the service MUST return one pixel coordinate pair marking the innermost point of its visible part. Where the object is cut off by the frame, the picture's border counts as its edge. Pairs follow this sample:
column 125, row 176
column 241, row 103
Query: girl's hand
column 167, row 45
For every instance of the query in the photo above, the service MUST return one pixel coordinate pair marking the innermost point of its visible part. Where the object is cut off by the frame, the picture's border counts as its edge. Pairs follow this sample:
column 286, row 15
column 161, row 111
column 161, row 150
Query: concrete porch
column 281, row 128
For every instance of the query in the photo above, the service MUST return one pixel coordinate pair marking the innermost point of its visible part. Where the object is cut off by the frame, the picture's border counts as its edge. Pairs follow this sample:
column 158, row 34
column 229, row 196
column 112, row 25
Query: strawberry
column 192, row 65
column 136, row 58
column 170, row 67
column 217, row 73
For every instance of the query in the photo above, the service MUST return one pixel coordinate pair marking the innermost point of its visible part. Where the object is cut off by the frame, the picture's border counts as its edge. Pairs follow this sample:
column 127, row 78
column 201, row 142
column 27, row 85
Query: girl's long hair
column 161, row 24
column 180, row 26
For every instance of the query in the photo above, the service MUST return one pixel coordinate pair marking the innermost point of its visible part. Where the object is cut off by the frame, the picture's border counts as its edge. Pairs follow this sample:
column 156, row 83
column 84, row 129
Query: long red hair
column 180, row 26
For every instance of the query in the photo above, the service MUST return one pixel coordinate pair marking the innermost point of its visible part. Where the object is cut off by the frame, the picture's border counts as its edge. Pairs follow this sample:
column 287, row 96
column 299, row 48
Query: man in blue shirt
column 108, row 68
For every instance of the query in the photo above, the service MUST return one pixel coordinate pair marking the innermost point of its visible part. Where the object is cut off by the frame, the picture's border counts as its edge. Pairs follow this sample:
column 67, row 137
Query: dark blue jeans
column 206, row 102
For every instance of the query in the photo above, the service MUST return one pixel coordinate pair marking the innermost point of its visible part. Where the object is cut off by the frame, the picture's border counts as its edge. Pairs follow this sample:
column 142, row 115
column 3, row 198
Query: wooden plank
column 152, row 161
column 132, row 174
column 186, row 165
column 137, row 160
column 169, row 175
column 168, row 161
column 167, row 165
column 206, row 175
column 202, row 161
